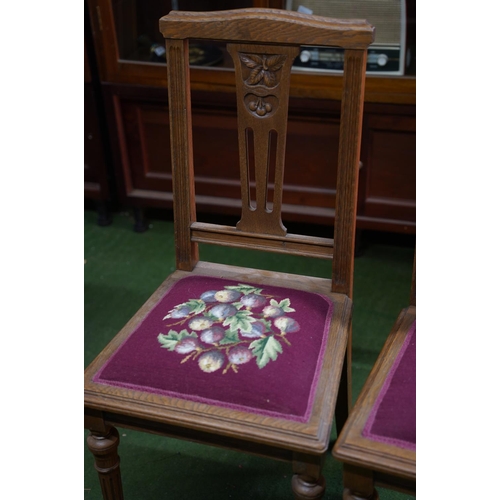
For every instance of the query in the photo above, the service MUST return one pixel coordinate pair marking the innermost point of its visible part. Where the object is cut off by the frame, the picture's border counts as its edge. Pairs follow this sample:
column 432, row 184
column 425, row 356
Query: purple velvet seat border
column 393, row 417
column 278, row 380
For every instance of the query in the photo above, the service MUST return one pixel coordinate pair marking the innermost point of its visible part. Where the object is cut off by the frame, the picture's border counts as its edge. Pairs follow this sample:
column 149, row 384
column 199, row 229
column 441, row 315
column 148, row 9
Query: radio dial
column 305, row 55
column 382, row 59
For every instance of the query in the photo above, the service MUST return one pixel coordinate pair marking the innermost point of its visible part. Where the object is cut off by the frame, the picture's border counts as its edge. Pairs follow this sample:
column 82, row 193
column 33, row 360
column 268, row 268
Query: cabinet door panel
column 312, row 151
column 390, row 176
column 145, row 149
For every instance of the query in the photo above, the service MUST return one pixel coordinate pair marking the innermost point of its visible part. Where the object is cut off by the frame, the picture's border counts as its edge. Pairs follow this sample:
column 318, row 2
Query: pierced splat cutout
column 262, row 83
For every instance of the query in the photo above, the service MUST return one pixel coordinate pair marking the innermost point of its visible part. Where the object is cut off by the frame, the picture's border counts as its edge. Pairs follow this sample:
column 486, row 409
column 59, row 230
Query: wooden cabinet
column 97, row 158
column 134, row 83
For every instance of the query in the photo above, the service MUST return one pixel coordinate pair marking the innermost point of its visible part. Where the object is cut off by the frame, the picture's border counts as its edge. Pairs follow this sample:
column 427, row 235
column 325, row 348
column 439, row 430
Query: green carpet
column 123, row 268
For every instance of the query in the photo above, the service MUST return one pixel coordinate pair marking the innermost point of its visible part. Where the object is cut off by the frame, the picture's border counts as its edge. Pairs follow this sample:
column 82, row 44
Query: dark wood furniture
column 97, row 155
column 263, row 44
column 368, row 462
column 135, row 91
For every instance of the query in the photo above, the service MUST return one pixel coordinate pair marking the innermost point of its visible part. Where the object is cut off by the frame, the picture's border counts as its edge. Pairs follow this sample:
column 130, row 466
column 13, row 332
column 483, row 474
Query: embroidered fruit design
column 224, row 329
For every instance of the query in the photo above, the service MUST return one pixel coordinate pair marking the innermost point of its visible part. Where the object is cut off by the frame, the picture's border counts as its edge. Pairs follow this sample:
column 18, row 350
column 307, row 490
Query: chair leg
column 104, row 447
column 140, row 223
column 344, row 396
column 307, row 482
column 358, row 484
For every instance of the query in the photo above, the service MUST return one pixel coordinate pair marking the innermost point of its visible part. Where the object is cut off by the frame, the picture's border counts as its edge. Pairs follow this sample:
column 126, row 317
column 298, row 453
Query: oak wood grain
column 293, row 244
column 348, row 170
column 181, row 138
column 268, row 26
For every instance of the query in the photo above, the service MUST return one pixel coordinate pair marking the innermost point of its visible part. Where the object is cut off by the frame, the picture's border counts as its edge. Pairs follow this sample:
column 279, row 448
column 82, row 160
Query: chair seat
column 393, row 417
column 229, row 343
column 380, row 433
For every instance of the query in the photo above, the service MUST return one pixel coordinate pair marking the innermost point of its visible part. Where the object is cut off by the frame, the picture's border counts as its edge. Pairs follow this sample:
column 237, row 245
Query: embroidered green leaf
column 230, row 338
column 242, row 320
column 245, row 289
column 265, row 350
column 284, row 305
column 170, row 340
column 196, row 306
column 268, row 325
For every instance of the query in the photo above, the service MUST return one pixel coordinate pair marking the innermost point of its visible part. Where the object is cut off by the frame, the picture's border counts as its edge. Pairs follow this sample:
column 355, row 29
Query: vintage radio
column 386, row 56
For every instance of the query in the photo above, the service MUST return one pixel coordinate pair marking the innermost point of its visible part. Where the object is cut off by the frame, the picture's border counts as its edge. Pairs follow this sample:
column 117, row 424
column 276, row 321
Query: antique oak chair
column 229, row 356
column 378, row 441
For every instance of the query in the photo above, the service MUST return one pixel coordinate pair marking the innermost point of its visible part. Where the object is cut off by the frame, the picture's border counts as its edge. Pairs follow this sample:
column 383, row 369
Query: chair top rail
column 268, row 26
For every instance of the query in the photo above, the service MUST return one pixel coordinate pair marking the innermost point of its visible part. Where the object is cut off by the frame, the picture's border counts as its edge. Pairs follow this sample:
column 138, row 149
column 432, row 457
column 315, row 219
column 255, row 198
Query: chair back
column 263, row 44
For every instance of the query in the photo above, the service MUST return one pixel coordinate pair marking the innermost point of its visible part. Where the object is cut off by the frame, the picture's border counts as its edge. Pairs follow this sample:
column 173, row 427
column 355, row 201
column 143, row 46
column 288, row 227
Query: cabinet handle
column 98, row 10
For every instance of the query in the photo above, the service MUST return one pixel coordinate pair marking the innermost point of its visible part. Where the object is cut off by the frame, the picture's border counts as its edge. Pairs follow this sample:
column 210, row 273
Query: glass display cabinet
column 131, row 59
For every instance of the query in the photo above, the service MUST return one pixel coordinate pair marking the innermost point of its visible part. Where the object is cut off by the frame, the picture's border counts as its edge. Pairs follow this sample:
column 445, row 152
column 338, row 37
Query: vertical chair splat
column 262, row 86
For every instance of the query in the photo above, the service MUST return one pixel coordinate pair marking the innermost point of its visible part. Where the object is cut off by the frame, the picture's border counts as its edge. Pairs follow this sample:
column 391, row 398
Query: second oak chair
column 379, row 440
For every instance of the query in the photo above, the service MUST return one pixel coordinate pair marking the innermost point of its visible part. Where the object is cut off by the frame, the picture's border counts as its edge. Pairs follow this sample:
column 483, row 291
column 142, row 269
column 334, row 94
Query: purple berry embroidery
column 211, row 361
column 180, row 312
column 240, row 355
column 235, row 326
column 258, row 329
column 286, row 325
column 222, row 311
column 213, row 335
column 209, row 296
column 227, row 296
column 252, row 300
column 187, row 345
column 272, row 312
column 200, row 324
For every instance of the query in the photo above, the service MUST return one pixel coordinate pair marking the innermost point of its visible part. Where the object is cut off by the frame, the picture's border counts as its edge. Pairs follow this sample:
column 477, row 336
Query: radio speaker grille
column 385, row 15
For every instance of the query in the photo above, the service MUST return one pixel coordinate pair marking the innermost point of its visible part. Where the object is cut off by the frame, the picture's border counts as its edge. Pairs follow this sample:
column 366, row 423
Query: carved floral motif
column 263, row 68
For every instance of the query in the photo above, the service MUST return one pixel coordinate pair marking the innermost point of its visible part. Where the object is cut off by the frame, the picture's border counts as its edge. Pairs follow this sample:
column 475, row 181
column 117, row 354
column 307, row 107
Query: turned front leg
column 358, row 484
column 307, row 482
column 104, row 447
